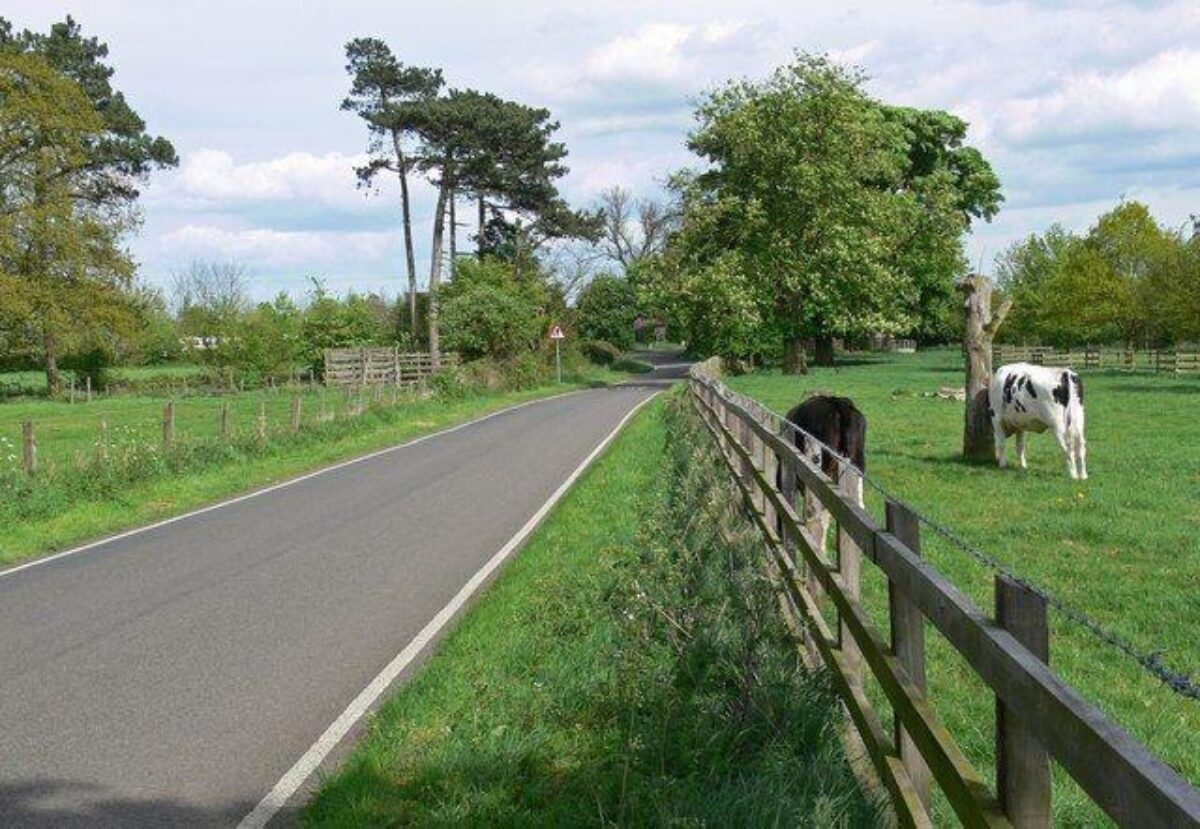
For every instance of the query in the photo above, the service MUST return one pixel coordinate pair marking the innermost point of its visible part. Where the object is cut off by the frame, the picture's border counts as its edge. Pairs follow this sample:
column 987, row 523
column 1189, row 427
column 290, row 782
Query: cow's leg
column 1079, row 443
column 1065, row 442
column 1021, row 450
column 1001, row 438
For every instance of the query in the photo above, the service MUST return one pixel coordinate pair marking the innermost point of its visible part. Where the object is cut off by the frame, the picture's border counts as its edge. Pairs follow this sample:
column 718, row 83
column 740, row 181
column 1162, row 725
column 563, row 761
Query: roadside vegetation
column 1120, row 546
column 628, row 667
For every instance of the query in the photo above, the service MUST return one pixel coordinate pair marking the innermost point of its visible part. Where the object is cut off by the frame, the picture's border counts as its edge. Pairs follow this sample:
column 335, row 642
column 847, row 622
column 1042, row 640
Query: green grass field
column 1123, row 546
column 627, row 668
column 76, row 495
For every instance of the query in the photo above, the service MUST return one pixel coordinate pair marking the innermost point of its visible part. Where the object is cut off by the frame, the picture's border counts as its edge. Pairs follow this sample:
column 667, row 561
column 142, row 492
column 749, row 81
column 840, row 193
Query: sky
column 1076, row 105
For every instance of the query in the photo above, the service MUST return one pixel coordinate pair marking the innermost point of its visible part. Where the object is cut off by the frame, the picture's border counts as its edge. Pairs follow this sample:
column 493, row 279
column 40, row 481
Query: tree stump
column 982, row 324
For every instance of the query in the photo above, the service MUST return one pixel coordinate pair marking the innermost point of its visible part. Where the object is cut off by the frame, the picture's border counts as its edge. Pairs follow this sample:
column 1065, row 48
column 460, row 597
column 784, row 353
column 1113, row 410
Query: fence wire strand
column 1150, row 661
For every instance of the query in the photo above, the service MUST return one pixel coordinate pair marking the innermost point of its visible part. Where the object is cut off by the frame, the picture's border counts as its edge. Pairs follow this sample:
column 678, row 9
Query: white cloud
column 303, row 250
column 210, row 174
column 1157, row 94
column 652, row 53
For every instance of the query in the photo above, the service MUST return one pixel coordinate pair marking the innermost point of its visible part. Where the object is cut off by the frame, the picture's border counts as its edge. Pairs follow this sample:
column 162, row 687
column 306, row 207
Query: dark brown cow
column 838, row 424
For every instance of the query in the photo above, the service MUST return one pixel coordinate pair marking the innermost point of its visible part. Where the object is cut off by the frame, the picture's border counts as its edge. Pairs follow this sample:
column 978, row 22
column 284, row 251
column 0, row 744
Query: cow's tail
column 1074, row 413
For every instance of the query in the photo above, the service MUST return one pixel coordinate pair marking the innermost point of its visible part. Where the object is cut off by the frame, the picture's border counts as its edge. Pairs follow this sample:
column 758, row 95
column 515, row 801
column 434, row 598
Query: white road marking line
column 291, row 782
column 281, row 485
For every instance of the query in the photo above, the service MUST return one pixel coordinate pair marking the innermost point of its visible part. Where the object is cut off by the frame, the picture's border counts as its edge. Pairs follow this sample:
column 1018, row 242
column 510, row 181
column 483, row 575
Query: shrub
column 449, row 383
column 632, row 366
column 92, row 364
column 607, row 308
column 600, row 352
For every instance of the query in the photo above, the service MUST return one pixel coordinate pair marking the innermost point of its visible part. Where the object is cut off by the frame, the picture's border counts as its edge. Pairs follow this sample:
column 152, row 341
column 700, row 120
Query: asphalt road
column 171, row 677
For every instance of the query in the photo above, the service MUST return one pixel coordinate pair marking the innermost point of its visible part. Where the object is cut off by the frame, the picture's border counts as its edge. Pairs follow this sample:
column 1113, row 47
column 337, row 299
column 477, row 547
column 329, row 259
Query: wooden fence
column 371, row 366
column 1178, row 361
column 306, row 407
column 1038, row 716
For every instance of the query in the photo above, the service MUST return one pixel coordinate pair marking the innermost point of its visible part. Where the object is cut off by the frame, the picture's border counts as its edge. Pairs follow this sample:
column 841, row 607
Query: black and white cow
column 1027, row 398
column 838, row 424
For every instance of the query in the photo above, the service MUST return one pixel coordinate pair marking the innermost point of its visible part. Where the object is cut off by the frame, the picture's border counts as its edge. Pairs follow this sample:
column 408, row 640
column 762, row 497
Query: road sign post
column 556, row 334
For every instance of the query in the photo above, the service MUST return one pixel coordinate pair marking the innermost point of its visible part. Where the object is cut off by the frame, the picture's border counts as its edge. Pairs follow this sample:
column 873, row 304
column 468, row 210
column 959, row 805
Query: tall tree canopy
column 480, row 145
column 388, row 96
column 74, row 155
column 120, row 155
column 821, row 213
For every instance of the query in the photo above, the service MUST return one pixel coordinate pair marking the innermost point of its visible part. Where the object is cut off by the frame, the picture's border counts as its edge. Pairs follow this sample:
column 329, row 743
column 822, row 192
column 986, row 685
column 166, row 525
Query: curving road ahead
column 174, row 675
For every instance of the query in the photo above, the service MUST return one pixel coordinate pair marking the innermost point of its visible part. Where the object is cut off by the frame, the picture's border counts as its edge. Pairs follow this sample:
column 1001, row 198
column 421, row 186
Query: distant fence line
column 322, row 407
column 1038, row 715
column 1183, row 360
column 374, row 365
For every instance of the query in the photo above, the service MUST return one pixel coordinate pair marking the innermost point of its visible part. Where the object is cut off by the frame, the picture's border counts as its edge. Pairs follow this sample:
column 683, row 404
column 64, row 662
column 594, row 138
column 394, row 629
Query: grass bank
column 1121, row 546
column 77, row 495
column 628, row 667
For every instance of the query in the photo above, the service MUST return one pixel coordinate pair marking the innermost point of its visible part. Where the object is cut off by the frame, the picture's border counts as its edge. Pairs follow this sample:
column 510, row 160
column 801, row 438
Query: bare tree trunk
column 406, row 213
column 479, row 232
column 978, row 439
column 824, row 351
column 793, row 356
column 453, row 235
column 51, row 348
column 435, row 275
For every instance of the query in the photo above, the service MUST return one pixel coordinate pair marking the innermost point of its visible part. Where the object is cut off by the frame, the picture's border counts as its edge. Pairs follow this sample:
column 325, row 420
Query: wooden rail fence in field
column 1178, row 361
column 1038, row 716
column 372, row 366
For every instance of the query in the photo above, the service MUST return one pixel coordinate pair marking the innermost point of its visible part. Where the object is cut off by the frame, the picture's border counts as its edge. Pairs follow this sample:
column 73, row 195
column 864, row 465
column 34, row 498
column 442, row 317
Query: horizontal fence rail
column 1183, row 360
column 373, row 366
column 1038, row 715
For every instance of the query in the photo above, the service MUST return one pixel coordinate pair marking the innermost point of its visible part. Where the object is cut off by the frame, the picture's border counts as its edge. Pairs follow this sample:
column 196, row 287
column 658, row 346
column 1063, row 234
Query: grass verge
column 140, row 483
column 627, row 667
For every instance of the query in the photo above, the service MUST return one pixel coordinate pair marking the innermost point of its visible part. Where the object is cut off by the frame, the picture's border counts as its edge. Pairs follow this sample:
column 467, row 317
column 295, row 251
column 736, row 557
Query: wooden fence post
column 29, row 447
column 72, row 389
column 224, row 427
column 262, row 420
column 87, row 381
column 102, row 442
column 296, row 413
column 908, row 644
column 169, row 424
column 849, row 565
column 770, row 462
column 1022, row 764
column 363, row 356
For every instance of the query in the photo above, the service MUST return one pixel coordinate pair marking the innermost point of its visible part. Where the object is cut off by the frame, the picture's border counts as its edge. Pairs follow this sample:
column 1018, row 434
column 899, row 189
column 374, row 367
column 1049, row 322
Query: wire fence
column 1151, row 661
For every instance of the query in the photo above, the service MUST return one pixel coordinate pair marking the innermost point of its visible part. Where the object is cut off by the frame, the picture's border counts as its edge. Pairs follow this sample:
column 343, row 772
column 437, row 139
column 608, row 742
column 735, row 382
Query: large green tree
column 947, row 185
column 76, row 154
column 62, row 271
column 821, row 212
column 388, row 96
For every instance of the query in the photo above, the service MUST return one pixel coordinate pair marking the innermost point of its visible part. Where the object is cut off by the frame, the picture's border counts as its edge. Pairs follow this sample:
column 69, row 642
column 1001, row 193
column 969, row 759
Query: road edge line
column 310, row 761
column 37, row 562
